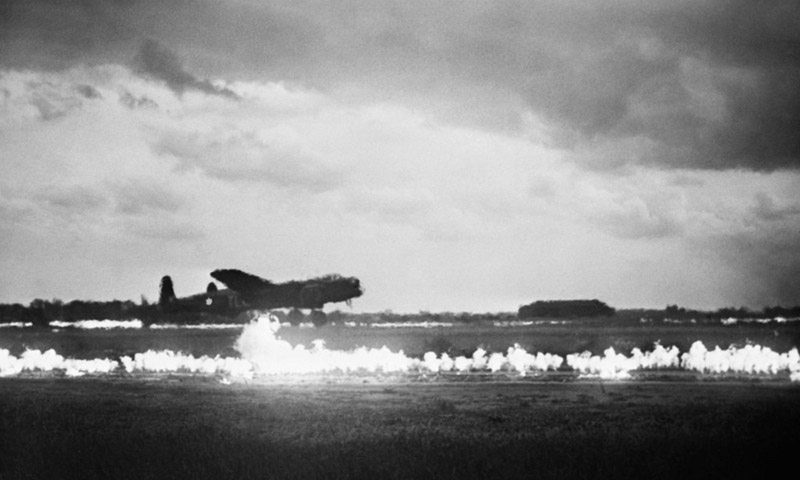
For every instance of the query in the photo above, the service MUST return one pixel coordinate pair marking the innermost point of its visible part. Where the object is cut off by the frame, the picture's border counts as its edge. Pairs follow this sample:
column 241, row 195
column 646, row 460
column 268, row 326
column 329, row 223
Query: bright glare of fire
column 262, row 352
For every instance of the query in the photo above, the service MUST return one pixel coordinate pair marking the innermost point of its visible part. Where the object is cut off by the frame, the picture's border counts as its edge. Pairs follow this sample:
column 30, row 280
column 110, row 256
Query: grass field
column 190, row 427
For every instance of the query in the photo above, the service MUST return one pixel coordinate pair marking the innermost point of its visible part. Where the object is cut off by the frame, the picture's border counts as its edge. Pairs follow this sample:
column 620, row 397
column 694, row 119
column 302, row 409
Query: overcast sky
column 461, row 155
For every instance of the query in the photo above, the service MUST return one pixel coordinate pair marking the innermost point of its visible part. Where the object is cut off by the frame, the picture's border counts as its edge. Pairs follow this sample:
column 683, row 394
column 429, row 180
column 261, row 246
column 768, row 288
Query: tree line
column 42, row 312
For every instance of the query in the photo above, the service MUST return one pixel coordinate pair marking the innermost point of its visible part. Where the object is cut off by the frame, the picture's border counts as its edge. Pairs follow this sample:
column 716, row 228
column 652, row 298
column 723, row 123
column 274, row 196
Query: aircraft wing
column 240, row 281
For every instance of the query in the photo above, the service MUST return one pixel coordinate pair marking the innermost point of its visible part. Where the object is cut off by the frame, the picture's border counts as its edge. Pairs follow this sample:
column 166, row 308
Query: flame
column 262, row 352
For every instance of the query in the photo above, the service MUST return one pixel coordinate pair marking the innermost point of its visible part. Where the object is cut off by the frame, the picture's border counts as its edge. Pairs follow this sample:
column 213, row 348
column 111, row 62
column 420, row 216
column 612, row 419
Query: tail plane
column 166, row 293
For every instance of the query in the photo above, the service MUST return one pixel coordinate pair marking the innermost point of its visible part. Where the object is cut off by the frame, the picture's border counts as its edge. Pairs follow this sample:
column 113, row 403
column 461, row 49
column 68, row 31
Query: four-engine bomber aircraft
column 248, row 294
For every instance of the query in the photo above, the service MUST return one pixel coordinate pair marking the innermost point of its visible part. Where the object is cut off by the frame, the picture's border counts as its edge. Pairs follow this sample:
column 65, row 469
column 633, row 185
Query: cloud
column 88, row 91
column 709, row 85
column 627, row 71
column 435, row 213
column 14, row 211
column 768, row 208
column 164, row 229
column 143, row 197
column 161, row 63
column 71, row 199
column 649, row 70
column 247, row 157
column 140, row 206
column 126, row 98
column 642, row 217
column 763, row 265
column 401, row 206
column 51, row 103
column 54, row 35
column 32, row 96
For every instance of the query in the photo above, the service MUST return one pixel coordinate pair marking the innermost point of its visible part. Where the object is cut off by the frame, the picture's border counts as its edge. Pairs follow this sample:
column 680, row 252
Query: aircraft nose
column 357, row 285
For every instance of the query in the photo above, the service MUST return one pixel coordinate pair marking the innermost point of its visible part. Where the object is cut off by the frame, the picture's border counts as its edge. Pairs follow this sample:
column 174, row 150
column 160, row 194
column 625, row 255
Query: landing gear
column 294, row 317
column 280, row 315
column 318, row 318
column 247, row 316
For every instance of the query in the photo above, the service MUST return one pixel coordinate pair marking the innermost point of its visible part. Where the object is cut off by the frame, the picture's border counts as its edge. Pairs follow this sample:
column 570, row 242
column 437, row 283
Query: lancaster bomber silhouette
column 248, row 295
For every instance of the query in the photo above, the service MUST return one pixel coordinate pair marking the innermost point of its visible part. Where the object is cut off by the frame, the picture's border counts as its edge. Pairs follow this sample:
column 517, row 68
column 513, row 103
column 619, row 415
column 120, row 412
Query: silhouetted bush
column 778, row 311
column 565, row 309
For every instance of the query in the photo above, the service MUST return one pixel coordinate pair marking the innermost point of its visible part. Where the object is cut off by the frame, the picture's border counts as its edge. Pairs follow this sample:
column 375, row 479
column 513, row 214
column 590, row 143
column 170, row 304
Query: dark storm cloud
column 56, row 34
column 739, row 32
column 712, row 84
column 766, row 268
column 715, row 85
column 235, row 38
column 753, row 52
column 159, row 62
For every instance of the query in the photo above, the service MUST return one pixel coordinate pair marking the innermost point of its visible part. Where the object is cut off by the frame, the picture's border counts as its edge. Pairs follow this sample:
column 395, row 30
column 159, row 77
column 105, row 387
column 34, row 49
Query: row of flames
column 263, row 353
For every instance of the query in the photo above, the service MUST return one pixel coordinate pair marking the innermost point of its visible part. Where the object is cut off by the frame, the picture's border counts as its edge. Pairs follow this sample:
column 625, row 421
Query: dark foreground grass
column 195, row 428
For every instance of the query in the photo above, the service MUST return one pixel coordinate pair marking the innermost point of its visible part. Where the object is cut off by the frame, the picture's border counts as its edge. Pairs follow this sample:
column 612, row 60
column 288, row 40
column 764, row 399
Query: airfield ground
column 195, row 427
column 661, row 424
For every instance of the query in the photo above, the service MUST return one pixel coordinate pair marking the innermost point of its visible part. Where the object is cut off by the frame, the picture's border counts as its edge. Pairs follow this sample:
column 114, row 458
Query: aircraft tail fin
column 166, row 294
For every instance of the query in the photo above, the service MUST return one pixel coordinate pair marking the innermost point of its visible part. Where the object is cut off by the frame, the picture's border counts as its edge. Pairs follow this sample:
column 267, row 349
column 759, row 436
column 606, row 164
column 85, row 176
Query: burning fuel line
column 263, row 353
